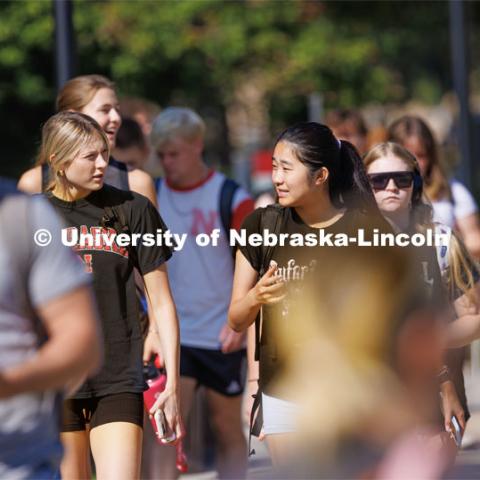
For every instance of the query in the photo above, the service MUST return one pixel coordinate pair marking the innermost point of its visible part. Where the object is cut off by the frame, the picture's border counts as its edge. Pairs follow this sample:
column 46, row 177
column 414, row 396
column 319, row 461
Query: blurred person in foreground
column 49, row 337
column 453, row 205
column 195, row 199
column 364, row 378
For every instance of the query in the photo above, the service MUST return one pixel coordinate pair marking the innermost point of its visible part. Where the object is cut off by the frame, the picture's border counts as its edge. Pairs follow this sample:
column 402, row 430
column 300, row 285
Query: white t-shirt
column 448, row 212
column 201, row 277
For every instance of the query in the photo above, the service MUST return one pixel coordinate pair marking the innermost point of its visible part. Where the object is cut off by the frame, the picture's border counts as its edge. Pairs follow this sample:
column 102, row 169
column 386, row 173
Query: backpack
column 271, row 220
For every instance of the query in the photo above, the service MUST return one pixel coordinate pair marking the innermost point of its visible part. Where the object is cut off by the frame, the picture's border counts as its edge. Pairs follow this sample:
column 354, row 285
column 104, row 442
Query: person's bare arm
column 451, row 405
column 31, row 181
column 165, row 316
column 469, row 228
column 466, row 328
column 141, row 182
column 72, row 351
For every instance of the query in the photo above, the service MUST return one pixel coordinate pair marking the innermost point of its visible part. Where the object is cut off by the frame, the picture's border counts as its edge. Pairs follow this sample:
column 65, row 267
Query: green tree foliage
column 223, row 56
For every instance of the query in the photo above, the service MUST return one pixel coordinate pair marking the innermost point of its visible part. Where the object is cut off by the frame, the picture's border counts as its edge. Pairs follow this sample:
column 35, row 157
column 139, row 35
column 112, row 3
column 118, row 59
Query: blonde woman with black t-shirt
column 106, row 413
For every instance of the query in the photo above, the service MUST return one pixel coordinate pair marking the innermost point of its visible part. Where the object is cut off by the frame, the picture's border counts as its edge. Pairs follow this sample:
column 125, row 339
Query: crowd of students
column 333, row 322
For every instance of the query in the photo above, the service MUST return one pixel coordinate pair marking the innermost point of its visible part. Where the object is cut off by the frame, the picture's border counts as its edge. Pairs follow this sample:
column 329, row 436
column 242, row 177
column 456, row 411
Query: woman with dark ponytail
column 321, row 184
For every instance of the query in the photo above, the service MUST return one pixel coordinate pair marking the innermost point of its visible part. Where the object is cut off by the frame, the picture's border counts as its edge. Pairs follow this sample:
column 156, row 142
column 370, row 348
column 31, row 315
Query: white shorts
column 279, row 416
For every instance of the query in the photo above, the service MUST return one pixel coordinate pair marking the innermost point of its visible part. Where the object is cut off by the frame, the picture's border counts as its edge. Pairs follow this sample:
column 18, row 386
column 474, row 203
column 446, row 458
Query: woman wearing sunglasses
column 395, row 178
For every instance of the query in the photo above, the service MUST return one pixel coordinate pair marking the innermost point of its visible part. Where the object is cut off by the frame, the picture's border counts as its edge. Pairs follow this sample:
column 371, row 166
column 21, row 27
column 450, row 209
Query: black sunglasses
column 379, row 181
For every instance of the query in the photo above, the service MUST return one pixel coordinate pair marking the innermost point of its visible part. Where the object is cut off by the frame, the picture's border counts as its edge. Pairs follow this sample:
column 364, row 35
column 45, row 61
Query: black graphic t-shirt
column 112, row 267
column 295, row 265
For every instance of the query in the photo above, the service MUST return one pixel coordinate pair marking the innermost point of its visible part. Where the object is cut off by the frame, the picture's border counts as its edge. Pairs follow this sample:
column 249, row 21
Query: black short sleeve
column 145, row 219
column 252, row 224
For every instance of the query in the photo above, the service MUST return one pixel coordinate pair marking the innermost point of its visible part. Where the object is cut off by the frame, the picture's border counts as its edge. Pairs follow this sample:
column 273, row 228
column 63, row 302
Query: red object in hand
column 156, row 381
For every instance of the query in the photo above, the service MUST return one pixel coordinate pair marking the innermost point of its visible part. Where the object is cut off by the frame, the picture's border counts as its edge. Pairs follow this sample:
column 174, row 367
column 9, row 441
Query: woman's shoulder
column 31, row 181
column 264, row 217
column 115, row 196
column 368, row 220
column 142, row 183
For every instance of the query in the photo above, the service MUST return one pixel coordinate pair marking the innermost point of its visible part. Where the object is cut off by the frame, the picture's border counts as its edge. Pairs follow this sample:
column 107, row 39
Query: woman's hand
column 451, row 406
column 270, row 289
column 168, row 402
column 230, row 340
column 248, row 294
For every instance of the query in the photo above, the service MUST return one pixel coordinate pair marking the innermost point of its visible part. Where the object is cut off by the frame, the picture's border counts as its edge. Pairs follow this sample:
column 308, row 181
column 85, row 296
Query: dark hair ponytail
column 315, row 146
column 351, row 183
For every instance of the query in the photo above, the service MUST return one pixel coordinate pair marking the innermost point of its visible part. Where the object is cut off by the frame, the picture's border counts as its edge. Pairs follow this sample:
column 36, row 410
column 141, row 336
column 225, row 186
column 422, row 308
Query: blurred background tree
column 247, row 66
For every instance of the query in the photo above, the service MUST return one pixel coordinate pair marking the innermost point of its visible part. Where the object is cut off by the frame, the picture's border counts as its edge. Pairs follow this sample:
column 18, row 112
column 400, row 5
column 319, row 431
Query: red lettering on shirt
column 201, row 224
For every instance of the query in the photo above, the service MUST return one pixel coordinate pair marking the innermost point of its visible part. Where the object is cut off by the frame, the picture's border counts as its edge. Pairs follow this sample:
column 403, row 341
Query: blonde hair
column 390, row 148
column 79, row 91
column 460, row 275
column 63, row 135
column 176, row 122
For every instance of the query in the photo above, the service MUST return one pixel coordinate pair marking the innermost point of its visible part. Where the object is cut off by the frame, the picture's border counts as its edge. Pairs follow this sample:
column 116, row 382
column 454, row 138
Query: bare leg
column 160, row 461
column 117, row 450
column 226, row 420
column 76, row 460
column 148, row 449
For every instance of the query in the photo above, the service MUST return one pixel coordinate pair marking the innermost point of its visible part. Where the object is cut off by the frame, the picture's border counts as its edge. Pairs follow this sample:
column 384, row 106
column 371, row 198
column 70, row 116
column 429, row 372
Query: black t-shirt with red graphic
column 112, row 268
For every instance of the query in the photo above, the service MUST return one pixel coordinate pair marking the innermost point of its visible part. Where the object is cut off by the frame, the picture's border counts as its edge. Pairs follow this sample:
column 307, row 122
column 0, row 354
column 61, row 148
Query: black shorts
column 96, row 411
column 222, row 372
